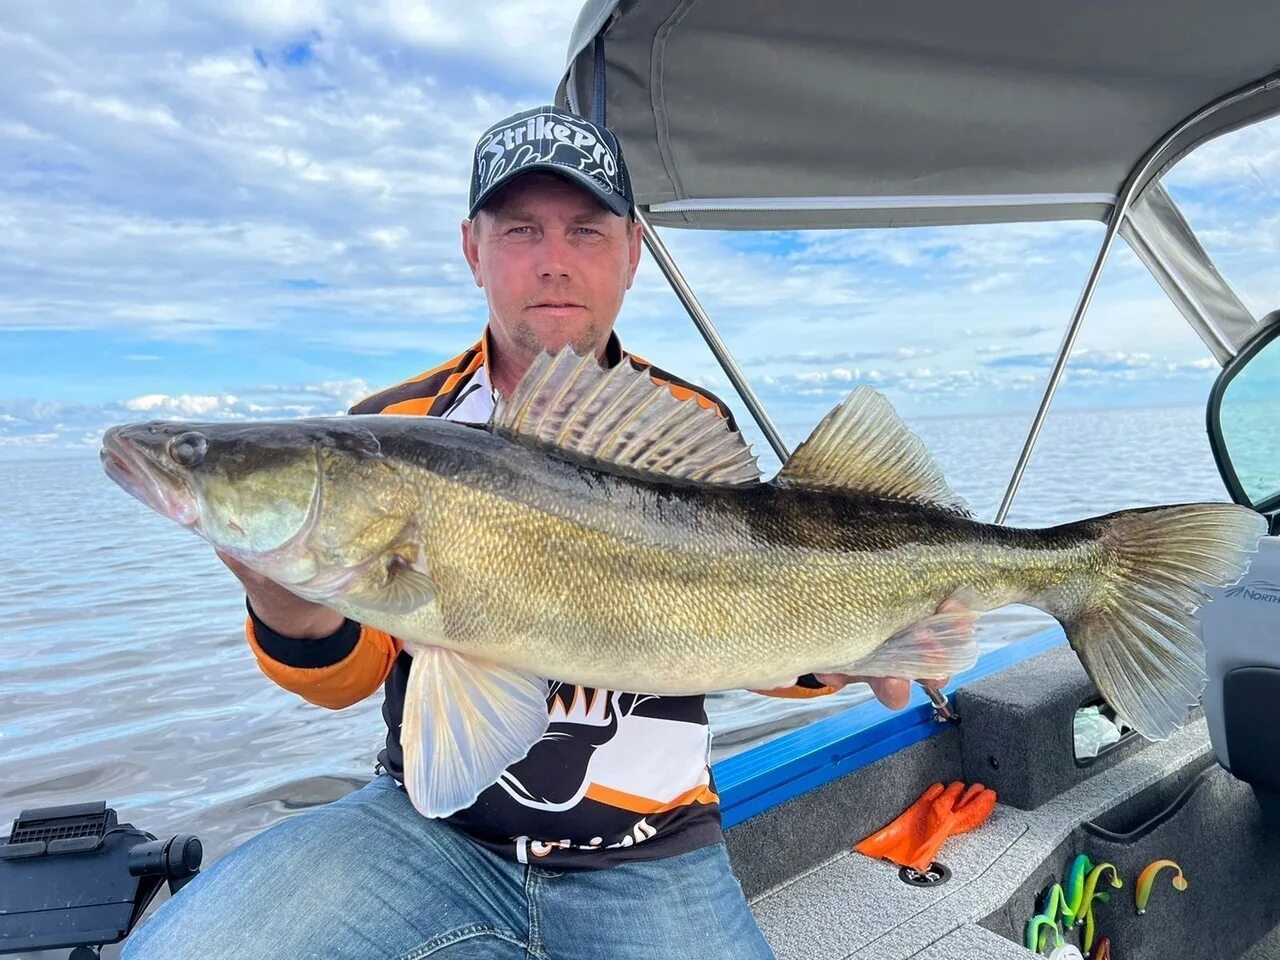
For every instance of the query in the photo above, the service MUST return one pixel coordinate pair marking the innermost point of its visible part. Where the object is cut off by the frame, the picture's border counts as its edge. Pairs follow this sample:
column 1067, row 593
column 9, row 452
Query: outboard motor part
column 73, row 876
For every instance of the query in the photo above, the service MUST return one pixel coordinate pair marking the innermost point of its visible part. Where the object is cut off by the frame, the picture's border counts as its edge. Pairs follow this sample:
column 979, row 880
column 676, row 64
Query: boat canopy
column 761, row 115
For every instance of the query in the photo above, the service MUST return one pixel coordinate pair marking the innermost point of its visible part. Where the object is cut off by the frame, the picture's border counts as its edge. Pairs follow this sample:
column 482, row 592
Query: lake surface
column 124, row 674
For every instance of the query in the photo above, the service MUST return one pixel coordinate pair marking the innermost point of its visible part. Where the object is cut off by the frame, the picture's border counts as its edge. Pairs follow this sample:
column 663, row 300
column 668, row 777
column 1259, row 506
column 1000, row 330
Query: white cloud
column 114, row 108
column 280, row 18
column 1248, row 155
column 185, row 405
column 180, row 182
column 213, row 172
column 72, row 426
column 995, row 281
column 20, row 131
column 389, row 237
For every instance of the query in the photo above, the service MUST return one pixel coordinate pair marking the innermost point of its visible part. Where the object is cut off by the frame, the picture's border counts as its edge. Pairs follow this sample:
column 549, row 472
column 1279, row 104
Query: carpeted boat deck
column 1268, row 948
column 1160, row 801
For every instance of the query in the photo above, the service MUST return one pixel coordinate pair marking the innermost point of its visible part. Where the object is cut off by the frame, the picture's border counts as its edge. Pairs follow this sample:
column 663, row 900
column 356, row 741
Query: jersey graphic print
column 600, row 747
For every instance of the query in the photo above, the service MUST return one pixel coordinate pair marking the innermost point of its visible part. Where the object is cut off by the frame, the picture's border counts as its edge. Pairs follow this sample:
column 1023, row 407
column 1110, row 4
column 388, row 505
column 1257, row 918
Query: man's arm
column 309, row 649
column 893, row 692
column 281, row 610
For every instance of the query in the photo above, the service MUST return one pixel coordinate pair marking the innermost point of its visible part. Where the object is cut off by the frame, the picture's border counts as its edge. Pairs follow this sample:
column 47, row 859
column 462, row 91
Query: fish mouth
column 146, row 481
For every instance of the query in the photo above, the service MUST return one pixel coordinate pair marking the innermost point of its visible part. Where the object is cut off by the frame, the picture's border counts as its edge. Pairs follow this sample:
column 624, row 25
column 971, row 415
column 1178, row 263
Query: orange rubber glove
column 913, row 840
column 899, row 837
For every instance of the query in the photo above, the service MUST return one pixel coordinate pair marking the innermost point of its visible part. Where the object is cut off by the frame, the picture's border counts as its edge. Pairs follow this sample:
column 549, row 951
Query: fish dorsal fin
column 863, row 446
column 623, row 421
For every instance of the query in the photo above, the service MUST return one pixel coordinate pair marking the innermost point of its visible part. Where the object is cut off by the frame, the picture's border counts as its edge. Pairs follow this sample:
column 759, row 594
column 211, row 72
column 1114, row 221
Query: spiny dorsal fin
column 864, row 446
column 623, row 421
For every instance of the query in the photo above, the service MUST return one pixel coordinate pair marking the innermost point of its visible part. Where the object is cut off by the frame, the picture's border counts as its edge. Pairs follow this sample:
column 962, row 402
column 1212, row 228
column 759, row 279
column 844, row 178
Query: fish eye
column 188, row 449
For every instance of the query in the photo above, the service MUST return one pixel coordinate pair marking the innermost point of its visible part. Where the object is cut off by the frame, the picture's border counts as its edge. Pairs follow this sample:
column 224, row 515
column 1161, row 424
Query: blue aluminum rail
column 772, row 773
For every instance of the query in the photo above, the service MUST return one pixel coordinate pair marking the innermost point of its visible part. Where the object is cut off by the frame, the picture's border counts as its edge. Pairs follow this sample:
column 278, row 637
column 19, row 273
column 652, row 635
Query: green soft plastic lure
column 1076, row 902
column 1039, row 931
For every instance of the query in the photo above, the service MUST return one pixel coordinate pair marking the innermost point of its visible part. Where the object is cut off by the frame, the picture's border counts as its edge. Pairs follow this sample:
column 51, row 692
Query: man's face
column 554, row 265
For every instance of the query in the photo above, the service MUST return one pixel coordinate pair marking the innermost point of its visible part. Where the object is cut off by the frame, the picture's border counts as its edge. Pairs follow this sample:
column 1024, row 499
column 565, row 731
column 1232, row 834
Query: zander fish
column 605, row 533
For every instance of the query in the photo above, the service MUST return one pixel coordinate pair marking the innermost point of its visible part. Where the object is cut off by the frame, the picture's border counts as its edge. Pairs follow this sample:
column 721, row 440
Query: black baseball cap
column 554, row 140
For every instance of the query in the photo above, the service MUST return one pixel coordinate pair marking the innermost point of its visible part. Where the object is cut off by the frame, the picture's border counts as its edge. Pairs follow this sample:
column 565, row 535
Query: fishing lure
column 1076, row 901
column 1148, row 877
column 1087, row 939
column 1090, row 895
column 1038, row 936
column 1091, row 885
column 1055, row 903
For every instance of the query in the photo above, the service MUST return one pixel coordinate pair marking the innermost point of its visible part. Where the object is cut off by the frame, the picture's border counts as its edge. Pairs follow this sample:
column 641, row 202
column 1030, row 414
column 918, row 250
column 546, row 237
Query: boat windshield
column 1229, row 192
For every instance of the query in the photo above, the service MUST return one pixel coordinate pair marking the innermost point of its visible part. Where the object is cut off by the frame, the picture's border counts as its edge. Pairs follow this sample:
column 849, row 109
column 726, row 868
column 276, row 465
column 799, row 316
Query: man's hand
column 282, row 611
column 893, row 692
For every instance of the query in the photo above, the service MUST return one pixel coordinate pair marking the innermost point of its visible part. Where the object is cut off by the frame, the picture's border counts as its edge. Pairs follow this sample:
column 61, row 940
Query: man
column 604, row 842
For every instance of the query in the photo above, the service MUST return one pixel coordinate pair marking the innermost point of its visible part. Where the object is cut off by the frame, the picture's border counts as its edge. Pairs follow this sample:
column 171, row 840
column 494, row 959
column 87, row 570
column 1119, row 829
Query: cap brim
column 613, row 202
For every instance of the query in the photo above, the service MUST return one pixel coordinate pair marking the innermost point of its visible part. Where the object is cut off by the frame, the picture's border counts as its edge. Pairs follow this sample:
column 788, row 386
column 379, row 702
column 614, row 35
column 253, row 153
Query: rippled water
column 124, row 674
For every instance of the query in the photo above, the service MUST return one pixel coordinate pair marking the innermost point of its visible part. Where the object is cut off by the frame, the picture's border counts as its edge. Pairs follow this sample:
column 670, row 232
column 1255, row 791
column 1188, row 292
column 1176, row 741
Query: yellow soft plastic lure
column 1090, row 895
column 1147, row 878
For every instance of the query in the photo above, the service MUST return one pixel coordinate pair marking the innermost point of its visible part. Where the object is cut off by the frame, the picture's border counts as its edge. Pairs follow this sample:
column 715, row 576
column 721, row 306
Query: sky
column 238, row 209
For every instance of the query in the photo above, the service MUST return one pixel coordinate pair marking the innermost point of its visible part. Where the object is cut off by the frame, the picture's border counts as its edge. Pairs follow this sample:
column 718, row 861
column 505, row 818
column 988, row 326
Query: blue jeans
column 368, row 878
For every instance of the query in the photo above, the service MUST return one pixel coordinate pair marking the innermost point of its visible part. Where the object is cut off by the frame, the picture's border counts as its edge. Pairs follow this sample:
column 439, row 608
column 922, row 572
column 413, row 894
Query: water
column 124, row 674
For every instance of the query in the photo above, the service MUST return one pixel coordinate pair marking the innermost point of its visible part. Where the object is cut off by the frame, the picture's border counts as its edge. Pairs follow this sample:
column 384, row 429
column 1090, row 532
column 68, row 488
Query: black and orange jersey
column 619, row 776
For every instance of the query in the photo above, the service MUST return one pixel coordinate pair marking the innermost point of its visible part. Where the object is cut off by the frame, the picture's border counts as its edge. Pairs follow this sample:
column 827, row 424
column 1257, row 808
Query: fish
column 605, row 532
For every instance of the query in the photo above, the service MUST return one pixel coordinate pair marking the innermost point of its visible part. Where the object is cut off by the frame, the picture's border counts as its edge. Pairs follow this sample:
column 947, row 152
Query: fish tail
column 1134, row 626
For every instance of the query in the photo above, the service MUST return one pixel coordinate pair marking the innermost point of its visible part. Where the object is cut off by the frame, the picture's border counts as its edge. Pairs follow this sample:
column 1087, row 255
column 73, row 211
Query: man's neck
column 504, row 375
column 508, row 365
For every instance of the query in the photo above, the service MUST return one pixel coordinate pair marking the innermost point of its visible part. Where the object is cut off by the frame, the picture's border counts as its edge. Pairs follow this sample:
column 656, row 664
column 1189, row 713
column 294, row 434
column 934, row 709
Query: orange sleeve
column 797, row 692
column 338, row 685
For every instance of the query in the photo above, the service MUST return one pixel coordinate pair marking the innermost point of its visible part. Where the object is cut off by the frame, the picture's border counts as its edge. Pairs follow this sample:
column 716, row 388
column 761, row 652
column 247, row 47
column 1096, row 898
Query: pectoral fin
column 407, row 586
column 465, row 721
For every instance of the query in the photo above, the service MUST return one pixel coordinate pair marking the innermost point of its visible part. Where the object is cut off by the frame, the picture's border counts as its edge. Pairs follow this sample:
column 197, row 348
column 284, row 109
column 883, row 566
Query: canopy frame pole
column 680, row 285
column 1138, row 179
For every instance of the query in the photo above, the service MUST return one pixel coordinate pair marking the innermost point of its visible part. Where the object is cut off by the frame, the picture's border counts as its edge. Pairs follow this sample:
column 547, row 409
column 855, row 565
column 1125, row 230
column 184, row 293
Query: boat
column 818, row 114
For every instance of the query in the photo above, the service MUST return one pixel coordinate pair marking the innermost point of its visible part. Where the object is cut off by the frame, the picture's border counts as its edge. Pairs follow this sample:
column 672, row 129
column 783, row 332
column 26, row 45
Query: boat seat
column 1241, row 631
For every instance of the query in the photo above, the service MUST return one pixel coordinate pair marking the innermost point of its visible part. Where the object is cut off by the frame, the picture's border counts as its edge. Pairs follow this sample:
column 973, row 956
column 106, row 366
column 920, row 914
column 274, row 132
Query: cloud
column 51, row 425
column 114, row 108
column 995, row 281
column 173, row 193
column 183, row 406
column 229, row 186
column 1247, row 156
column 916, row 389
column 810, row 359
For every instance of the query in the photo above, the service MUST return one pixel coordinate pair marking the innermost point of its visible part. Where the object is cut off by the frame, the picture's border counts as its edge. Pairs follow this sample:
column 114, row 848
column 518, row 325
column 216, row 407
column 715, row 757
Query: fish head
column 311, row 504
